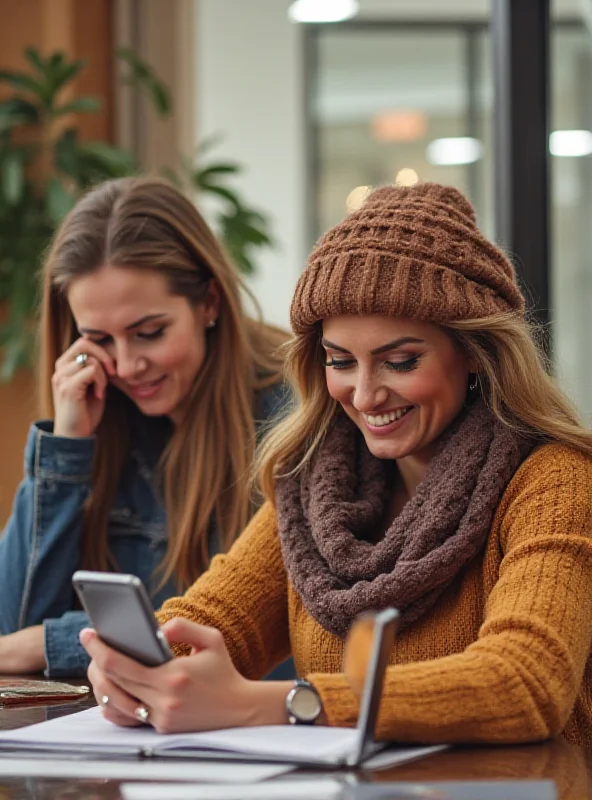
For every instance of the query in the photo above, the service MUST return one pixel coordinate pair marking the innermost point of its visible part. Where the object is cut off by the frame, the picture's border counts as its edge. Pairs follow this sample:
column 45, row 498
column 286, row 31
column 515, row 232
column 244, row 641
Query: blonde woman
column 432, row 466
column 154, row 384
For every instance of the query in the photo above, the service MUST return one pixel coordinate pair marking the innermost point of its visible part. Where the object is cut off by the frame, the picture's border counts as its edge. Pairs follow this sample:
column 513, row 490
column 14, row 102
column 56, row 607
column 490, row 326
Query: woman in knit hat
column 432, row 466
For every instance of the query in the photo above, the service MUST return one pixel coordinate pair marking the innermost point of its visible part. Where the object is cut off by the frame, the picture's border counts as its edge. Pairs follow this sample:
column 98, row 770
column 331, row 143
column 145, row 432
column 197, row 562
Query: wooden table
column 569, row 766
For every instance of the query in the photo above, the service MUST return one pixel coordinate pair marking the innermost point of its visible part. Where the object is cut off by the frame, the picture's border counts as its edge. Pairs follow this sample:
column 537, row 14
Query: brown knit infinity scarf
column 327, row 516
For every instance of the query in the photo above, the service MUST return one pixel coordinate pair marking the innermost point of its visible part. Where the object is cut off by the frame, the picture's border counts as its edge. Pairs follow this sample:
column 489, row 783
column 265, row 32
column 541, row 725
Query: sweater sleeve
column 243, row 595
column 519, row 680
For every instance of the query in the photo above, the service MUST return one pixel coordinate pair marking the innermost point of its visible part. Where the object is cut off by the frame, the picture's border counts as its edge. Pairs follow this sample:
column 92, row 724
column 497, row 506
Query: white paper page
column 83, row 728
column 89, row 728
column 89, row 731
column 289, row 741
column 393, row 756
column 152, row 770
column 320, row 789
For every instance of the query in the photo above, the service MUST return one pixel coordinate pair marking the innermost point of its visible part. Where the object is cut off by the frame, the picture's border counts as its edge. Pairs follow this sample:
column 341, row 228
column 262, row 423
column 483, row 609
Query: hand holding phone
column 121, row 613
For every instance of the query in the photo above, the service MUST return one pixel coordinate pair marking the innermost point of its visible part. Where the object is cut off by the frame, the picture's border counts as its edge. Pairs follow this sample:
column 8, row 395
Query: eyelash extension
column 339, row 364
column 148, row 336
column 153, row 335
column 396, row 366
column 403, row 366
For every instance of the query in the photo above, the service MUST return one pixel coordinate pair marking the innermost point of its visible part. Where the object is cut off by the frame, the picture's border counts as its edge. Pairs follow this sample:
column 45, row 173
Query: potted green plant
column 44, row 166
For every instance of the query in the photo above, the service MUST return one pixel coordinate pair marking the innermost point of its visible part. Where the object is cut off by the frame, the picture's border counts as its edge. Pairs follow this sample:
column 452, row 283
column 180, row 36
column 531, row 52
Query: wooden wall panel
column 83, row 29
column 20, row 26
column 93, row 41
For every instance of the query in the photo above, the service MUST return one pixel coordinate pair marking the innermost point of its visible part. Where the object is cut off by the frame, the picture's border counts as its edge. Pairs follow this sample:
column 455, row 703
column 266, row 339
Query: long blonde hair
column 513, row 375
column 145, row 223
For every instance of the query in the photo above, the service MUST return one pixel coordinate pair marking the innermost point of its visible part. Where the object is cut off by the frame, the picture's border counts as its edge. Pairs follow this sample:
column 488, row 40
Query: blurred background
column 280, row 124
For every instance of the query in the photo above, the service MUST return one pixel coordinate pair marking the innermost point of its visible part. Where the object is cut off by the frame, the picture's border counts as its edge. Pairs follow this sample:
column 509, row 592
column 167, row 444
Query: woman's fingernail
column 85, row 635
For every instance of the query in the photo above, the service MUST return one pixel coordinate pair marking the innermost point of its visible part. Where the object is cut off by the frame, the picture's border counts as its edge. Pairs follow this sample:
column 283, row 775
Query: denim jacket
column 40, row 545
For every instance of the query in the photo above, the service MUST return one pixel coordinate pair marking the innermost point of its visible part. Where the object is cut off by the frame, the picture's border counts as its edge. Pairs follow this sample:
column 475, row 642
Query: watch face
column 305, row 704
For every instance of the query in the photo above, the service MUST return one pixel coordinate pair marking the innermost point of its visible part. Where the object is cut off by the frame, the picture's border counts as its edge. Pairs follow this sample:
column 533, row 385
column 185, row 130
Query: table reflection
column 568, row 765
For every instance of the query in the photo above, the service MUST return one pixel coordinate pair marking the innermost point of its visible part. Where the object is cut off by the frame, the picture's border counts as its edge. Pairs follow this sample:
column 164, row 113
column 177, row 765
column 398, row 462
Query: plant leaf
column 67, row 154
column 236, row 249
column 140, row 68
column 36, row 60
column 254, row 235
column 58, row 200
column 63, row 73
column 218, row 169
column 143, row 76
column 114, row 159
column 14, row 357
column 17, row 111
column 12, row 178
column 161, row 97
column 22, row 81
column 240, row 230
column 221, row 191
column 242, row 226
column 53, row 74
column 55, row 61
column 208, row 142
column 82, row 105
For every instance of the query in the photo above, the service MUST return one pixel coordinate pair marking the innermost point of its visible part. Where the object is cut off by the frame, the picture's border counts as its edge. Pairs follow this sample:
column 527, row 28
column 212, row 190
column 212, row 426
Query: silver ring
column 105, row 700
column 81, row 359
column 142, row 714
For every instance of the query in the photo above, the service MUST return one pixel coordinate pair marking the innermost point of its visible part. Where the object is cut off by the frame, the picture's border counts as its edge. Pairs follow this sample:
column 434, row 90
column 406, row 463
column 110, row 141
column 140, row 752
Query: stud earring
column 212, row 323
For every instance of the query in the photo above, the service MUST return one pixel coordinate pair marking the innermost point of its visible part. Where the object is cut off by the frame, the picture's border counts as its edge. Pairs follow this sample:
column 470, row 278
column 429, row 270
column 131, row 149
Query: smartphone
column 122, row 615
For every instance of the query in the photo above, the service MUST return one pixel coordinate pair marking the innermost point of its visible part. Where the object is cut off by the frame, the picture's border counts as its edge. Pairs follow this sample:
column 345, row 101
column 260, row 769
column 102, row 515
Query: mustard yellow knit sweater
column 502, row 657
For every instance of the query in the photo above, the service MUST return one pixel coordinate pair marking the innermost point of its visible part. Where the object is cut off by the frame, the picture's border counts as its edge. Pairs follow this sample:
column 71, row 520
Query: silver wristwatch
column 303, row 704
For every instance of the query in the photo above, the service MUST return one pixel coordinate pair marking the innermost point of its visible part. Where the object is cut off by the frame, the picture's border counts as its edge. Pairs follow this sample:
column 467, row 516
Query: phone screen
column 122, row 615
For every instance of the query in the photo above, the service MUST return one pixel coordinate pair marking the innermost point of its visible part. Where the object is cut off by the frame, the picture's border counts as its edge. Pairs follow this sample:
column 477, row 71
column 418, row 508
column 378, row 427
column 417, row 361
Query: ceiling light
column 454, row 150
column 356, row 198
column 570, row 143
column 406, row 177
column 323, row 10
column 399, row 126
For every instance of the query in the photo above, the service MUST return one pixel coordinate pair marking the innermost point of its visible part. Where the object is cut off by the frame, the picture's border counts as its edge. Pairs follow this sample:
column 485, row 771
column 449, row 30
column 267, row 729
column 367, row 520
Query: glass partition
column 401, row 101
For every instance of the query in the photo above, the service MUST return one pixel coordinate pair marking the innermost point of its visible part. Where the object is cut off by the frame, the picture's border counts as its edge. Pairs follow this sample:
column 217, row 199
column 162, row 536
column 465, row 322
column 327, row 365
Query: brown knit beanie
column 410, row 252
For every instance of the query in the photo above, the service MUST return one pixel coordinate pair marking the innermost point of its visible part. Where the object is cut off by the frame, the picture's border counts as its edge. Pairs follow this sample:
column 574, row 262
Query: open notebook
column 87, row 733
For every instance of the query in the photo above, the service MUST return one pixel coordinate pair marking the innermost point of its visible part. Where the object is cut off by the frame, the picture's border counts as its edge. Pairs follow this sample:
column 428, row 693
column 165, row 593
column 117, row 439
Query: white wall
column 249, row 89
